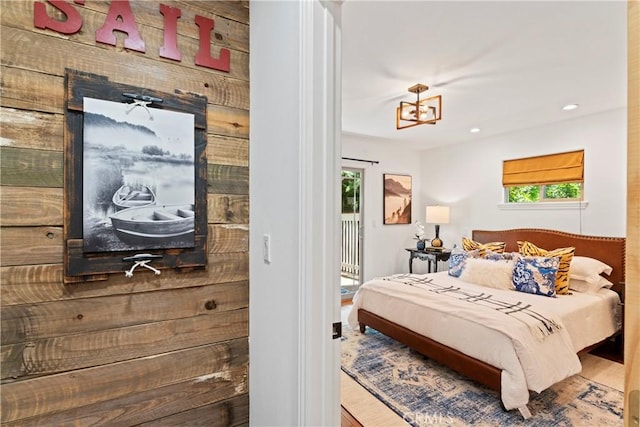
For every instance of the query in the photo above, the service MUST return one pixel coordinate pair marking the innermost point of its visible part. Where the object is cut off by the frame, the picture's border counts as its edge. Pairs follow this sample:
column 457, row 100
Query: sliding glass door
column 352, row 227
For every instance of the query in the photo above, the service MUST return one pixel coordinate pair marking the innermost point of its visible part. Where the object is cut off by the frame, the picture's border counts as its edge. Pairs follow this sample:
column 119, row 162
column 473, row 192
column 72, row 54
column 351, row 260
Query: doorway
column 351, row 231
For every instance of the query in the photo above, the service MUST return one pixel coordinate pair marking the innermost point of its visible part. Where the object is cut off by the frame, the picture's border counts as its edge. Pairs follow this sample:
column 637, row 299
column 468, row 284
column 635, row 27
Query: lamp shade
column 437, row 214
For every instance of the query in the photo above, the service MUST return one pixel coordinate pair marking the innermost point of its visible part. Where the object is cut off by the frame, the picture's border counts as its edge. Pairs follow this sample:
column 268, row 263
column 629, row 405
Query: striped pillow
column 472, row 245
column 565, row 255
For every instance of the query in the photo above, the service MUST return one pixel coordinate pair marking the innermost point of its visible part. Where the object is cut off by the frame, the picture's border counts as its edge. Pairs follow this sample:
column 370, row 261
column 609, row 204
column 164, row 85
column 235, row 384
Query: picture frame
column 138, row 177
column 90, row 261
column 397, row 194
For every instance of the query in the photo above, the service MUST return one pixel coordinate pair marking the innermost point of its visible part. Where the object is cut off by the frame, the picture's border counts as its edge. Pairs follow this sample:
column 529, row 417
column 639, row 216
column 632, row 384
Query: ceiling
column 500, row 66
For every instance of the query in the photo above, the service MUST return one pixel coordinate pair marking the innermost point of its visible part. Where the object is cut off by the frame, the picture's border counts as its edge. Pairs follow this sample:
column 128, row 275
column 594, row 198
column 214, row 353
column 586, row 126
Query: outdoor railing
column 350, row 265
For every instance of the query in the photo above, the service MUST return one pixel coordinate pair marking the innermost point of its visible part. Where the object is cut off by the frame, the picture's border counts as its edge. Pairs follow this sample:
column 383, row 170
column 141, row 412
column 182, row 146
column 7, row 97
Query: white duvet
column 527, row 362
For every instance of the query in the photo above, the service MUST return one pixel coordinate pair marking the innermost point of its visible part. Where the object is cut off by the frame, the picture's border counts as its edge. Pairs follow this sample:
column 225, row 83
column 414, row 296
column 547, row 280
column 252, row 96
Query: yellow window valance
column 548, row 169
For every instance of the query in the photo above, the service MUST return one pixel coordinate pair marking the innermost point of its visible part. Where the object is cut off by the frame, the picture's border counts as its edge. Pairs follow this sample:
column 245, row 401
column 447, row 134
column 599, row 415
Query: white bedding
column 527, row 362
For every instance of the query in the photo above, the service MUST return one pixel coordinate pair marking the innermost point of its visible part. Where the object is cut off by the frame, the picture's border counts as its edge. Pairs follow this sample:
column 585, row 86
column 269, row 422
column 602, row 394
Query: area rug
column 425, row 393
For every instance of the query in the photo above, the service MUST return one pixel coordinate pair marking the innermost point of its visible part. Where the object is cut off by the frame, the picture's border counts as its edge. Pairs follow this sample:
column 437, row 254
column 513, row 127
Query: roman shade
column 548, row 169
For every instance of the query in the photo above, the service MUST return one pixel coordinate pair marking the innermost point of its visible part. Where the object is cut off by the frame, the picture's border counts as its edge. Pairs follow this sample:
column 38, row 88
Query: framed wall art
column 135, row 178
column 397, row 199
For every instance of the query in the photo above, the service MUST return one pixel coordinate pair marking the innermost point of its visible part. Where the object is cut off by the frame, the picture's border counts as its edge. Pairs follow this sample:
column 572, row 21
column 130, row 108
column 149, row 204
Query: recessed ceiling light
column 474, row 130
column 570, row 107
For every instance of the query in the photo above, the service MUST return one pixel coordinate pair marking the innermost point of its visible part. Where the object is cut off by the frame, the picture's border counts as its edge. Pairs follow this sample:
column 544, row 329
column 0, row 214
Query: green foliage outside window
column 524, row 194
column 562, row 191
column 350, row 192
column 538, row 193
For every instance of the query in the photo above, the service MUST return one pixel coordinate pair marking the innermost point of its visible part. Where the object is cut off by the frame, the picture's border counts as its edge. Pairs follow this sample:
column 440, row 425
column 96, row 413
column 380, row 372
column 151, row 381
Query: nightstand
column 430, row 255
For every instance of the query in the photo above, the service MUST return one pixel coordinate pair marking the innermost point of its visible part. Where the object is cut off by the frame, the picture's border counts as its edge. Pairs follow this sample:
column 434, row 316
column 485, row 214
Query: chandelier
column 423, row 111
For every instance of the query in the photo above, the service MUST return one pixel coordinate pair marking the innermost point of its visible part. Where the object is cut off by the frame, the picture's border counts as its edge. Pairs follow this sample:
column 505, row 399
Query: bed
column 411, row 309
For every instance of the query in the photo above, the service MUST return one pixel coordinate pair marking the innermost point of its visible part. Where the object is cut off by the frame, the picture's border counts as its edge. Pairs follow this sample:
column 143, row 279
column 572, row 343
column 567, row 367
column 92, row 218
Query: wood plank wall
column 142, row 350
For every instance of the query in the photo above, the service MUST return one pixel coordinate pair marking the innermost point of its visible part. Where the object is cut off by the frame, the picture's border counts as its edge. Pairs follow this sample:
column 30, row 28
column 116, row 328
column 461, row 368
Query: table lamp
column 437, row 215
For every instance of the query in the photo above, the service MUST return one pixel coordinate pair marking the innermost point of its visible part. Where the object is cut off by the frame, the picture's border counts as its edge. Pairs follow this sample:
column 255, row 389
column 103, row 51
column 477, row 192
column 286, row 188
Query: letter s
column 71, row 24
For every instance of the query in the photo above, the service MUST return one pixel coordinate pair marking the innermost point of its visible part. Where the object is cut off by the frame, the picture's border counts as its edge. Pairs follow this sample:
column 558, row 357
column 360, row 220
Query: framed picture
column 397, row 199
column 135, row 186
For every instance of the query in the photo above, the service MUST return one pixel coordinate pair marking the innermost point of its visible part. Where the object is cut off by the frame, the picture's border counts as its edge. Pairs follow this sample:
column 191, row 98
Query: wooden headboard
column 610, row 250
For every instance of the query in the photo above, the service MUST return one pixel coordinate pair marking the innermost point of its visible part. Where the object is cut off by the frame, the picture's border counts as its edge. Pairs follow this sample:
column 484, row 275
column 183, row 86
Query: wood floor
column 347, row 420
column 361, row 408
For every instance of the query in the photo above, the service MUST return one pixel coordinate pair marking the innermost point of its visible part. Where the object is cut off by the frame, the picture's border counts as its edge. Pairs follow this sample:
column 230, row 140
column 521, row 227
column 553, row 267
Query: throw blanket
column 539, row 325
column 487, row 334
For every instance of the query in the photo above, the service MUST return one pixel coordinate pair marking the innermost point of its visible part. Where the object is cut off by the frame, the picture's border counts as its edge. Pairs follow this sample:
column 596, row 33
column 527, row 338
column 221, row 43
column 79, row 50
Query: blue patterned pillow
column 536, row 275
column 458, row 259
column 497, row 256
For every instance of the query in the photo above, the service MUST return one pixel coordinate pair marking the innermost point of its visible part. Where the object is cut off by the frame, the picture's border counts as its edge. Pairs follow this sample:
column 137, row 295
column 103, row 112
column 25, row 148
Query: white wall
column 384, row 245
column 294, row 193
column 274, row 201
column 467, row 177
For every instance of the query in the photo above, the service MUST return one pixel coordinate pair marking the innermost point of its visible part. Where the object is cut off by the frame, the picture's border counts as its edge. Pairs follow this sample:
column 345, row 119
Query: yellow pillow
column 564, row 254
column 471, row 245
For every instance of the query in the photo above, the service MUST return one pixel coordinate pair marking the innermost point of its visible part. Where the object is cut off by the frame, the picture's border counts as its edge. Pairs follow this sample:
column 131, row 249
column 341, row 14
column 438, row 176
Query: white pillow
column 485, row 272
column 588, row 269
column 589, row 287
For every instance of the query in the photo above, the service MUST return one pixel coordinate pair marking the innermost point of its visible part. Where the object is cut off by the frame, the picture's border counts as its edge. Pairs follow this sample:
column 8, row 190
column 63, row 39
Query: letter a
column 120, row 9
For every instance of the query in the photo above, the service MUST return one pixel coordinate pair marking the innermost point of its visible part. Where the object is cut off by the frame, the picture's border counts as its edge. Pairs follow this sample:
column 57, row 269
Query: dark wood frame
column 384, row 199
column 610, row 250
column 80, row 266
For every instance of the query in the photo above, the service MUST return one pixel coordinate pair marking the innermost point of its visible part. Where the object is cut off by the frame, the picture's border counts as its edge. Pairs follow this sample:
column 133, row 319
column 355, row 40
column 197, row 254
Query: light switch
column 266, row 248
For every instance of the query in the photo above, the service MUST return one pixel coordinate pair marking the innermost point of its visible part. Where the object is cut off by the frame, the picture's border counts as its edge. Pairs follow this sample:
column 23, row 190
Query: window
column 543, row 193
column 350, row 191
column 554, row 177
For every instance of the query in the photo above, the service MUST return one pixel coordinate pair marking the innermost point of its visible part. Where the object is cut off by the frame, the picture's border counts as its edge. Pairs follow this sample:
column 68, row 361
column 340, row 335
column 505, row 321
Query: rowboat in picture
column 154, row 223
column 129, row 196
